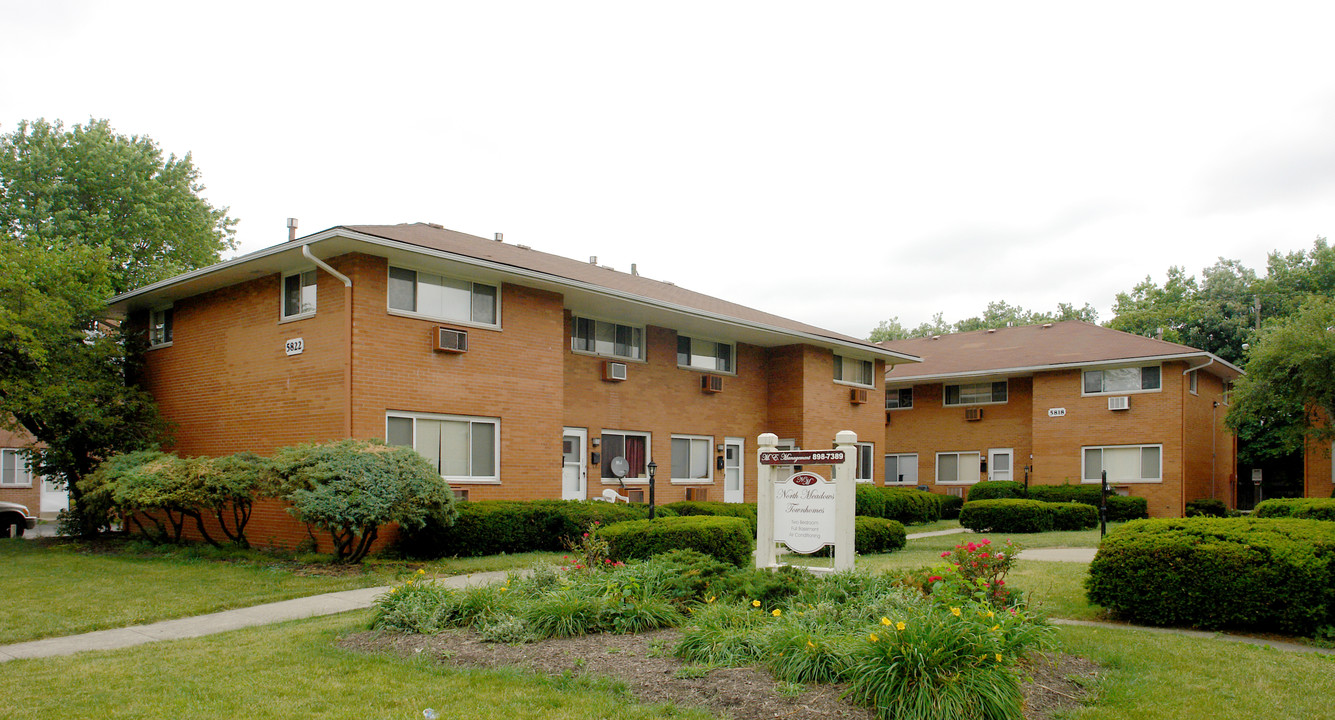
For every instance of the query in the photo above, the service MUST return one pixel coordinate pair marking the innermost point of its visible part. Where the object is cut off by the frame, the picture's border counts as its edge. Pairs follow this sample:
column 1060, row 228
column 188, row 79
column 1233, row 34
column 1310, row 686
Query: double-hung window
column 901, row 469
column 461, row 448
column 14, row 471
column 1122, row 380
column 1123, row 463
column 866, row 465
column 607, row 338
column 443, row 298
column 958, row 467
column 901, row 399
column 700, row 354
column 691, row 458
column 160, row 327
column 854, row 372
column 299, row 295
column 976, row 393
column 631, row 445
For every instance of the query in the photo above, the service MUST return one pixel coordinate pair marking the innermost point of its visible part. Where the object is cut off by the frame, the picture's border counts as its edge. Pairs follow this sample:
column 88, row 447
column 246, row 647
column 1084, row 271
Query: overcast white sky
column 834, row 162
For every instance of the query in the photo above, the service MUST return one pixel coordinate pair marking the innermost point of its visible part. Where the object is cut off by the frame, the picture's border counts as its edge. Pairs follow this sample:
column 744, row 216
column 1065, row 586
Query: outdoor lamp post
column 653, row 468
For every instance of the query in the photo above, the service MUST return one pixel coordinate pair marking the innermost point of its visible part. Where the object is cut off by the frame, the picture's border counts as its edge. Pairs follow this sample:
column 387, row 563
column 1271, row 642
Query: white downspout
column 306, row 253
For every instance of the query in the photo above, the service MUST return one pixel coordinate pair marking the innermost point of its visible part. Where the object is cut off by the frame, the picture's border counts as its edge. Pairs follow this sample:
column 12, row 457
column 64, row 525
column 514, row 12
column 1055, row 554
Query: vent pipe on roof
column 634, row 270
column 593, row 259
column 500, row 237
column 291, row 229
column 1047, row 325
column 1158, row 334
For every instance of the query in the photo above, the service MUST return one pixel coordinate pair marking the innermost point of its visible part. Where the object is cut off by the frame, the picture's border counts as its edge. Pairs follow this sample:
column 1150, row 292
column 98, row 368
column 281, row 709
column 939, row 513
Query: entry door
column 734, row 482
column 999, row 464
column 574, row 470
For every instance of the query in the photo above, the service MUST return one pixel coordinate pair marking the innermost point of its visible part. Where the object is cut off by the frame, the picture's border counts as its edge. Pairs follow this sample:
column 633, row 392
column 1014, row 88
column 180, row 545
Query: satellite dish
column 620, row 467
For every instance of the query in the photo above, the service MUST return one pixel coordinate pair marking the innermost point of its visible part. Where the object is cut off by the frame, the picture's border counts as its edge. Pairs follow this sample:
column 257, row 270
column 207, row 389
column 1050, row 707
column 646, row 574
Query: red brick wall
column 1317, row 480
column 1209, row 461
column 30, row 496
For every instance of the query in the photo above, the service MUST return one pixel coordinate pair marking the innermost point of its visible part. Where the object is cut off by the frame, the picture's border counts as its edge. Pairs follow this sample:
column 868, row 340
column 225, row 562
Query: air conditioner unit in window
column 1120, row 402
column 697, row 494
column 614, row 371
column 711, row 383
column 857, row 396
column 636, row 496
column 972, row 414
column 444, row 339
column 460, row 493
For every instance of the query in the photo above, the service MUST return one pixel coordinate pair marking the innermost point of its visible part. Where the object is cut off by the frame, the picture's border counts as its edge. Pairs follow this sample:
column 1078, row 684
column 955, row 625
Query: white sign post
column 804, row 511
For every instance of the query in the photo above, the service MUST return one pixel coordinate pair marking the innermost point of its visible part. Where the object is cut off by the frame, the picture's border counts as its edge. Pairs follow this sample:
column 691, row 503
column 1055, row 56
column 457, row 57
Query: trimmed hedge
column 1303, row 508
column 908, row 506
column 491, row 527
column 1206, row 507
column 1271, row 575
column 726, row 538
column 878, row 535
column 1073, row 516
column 997, row 490
column 950, row 506
column 1119, row 508
column 746, row 511
column 1008, row 516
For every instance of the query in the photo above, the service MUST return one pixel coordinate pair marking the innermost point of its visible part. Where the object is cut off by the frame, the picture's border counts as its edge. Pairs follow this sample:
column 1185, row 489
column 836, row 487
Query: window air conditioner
column 857, row 396
column 711, row 383
column 974, row 413
column 697, row 494
column 448, row 340
column 1120, row 402
column 636, row 496
column 614, row 371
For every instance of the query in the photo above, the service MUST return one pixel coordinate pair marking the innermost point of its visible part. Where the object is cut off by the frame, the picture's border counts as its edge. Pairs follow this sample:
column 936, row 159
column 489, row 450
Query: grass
column 1171, row 677
column 295, row 670
column 68, row 590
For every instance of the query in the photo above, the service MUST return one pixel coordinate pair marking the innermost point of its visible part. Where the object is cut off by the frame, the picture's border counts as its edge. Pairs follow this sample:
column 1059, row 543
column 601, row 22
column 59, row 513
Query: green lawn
column 294, row 670
column 66, row 590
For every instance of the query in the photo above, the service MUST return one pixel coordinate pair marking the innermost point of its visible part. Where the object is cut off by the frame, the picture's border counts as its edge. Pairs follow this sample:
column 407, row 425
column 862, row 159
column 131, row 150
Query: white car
column 14, row 515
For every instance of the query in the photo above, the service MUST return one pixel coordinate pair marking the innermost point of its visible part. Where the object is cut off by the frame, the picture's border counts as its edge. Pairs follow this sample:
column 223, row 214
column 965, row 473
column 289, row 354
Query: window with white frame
column 160, row 327
column 1192, row 381
column 461, row 448
column 958, row 467
column 1122, row 380
column 856, row 372
column 632, row 445
column 607, row 338
column 299, row 294
column 692, row 457
column 14, row 471
column 901, row 469
column 901, row 399
column 1123, row 463
column 983, row 393
column 865, row 470
column 443, row 298
column 704, row 354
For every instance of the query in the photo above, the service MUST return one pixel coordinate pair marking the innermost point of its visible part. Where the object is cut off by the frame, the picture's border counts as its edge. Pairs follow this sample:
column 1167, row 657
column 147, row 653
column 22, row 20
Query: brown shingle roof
column 437, row 238
column 1020, row 350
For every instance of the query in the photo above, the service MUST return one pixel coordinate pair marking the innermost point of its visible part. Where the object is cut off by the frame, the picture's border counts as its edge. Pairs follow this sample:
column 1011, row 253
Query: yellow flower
column 996, row 628
column 755, row 603
column 990, row 614
column 998, row 657
column 421, row 571
column 900, row 625
column 777, row 612
column 872, row 637
column 504, row 589
column 955, row 611
column 810, row 644
column 885, row 621
column 711, row 599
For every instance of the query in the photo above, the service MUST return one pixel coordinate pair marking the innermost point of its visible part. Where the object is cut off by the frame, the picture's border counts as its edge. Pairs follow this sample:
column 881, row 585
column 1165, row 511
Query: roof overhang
column 580, row 297
column 1201, row 360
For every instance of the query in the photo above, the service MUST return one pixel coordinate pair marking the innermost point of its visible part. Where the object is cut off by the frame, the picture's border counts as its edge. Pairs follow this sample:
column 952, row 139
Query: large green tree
column 85, row 214
column 999, row 314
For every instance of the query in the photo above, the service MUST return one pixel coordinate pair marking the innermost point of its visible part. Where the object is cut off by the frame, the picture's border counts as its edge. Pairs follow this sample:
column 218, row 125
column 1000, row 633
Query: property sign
column 804, row 512
column 1056, row 412
column 802, row 457
column 1256, row 475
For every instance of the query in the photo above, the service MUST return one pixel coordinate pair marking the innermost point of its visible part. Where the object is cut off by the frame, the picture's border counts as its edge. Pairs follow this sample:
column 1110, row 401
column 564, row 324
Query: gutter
column 999, row 372
column 1207, row 363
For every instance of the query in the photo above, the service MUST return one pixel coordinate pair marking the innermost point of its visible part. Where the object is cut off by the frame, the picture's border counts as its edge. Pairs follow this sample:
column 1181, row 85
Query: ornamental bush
column 878, row 535
column 350, row 488
column 1304, row 508
column 1120, row 508
column 1007, row 516
column 1206, row 507
column 1268, row 575
column 746, row 511
column 491, row 527
column 1073, row 516
column 997, row 490
column 950, row 506
column 726, row 538
column 907, row 505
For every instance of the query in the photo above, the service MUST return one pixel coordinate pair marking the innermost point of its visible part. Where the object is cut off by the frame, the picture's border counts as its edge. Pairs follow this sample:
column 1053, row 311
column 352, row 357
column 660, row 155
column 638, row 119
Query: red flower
column 986, row 542
column 945, row 554
column 934, row 578
column 972, row 547
column 1001, row 582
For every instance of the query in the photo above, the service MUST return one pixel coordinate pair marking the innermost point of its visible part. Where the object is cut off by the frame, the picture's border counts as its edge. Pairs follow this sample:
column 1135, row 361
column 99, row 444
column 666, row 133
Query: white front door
column 574, row 471
column 999, row 464
column 734, row 481
column 53, row 499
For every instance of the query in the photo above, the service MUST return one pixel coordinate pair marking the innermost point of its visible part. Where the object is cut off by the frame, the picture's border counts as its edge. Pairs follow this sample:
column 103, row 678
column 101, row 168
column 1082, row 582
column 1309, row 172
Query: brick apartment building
column 18, row 484
column 519, row 374
column 1061, row 403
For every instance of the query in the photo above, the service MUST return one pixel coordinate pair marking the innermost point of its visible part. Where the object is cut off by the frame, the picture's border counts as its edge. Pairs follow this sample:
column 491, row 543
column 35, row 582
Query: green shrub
column 1008, row 516
column 726, row 538
column 950, row 506
column 688, row 575
column 746, row 511
column 491, row 527
column 878, row 535
column 908, row 506
column 351, row 487
column 770, row 588
column 1120, row 509
column 997, row 490
column 1269, row 575
column 1303, row 508
column 1206, row 507
column 1073, row 516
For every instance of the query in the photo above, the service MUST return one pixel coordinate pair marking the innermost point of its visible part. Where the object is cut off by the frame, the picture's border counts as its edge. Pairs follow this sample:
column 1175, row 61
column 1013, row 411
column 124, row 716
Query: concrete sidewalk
column 1202, row 634
column 189, row 627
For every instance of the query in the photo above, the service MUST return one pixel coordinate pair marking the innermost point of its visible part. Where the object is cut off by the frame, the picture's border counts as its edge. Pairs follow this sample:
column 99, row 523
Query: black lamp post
column 653, row 468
